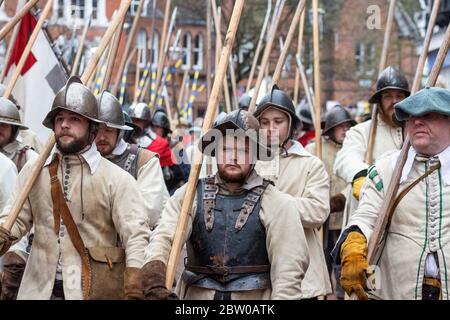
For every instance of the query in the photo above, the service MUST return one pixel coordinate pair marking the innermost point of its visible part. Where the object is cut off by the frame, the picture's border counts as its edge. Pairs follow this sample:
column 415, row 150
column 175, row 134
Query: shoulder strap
column 61, row 210
column 250, row 203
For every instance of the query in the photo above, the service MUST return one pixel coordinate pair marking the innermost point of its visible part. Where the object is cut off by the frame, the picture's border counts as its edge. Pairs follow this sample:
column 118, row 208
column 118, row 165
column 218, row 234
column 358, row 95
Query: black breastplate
column 128, row 160
column 229, row 253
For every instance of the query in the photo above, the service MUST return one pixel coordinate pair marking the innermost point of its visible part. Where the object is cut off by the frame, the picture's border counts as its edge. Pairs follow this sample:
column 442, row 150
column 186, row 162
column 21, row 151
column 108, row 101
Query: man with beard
column 81, row 205
column 337, row 122
column 10, row 125
column 350, row 165
column 301, row 177
column 412, row 261
column 142, row 164
column 244, row 239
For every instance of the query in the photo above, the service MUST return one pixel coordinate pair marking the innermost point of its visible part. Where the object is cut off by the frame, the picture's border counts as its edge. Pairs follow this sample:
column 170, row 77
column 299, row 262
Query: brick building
column 69, row 16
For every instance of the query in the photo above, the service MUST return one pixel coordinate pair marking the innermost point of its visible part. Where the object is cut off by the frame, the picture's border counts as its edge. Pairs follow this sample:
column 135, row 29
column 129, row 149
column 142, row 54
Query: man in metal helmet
column 142, row 164
column 337, row 122
column 244, row 238
column 161, row 124
column 300, row 176
column 10, row 125
column 80, row 207
column 350, row 164
column 244, row 102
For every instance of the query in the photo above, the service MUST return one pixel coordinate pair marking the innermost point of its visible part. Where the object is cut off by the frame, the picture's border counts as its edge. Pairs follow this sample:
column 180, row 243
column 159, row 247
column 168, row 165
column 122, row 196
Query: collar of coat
column 11, row 148
column 91, row 156
column 298, row 149
column 120, row 148
column 444, row 158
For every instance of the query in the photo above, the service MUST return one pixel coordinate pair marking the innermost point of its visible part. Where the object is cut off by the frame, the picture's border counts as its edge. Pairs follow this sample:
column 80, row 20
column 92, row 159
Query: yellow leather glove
column 357, row 185
column 354, row 265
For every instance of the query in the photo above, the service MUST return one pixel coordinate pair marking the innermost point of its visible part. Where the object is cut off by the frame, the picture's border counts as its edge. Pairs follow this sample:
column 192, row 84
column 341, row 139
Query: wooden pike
column 382, row 66
column 259, row 45
column 233, row 84
column 181, row 94
column 208, row 48
column 217, row 22
column 287, row 44
column 137, row 76
column 76, row 62
column 299, row 52
column 126, row 52
column 301, row 71
column 211, row 110
column 317, row 88
column 112, row 56
column 162, row 56
column 266, row 56
column 17, row 18
column 35, row 171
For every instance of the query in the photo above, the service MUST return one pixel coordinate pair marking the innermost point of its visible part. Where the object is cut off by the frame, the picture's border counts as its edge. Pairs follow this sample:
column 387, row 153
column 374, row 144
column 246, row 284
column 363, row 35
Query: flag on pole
column 40, row 79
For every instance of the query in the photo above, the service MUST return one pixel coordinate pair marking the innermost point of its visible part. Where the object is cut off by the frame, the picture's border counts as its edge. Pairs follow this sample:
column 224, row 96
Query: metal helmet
column 141, row 111
column 127, row 120
column 390, row 78
column 304, row 113
column 110, row 111
column 336, row 116
column 279, row 100
column 160, row 119
column 237, row 119
column 9, row 114
column 244, row 102
column 74, row 97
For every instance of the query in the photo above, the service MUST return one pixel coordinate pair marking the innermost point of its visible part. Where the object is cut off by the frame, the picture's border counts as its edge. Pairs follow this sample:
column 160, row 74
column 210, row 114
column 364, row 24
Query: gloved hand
column 354, row 265
column 13, row 268
column 357, row 184
column 6, row 240
column 133, row 284
column 153, row 277
column 337, row 203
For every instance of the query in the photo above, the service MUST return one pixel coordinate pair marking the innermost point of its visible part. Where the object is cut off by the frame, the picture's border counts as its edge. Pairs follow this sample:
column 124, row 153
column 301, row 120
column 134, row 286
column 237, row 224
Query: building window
column 60, row 11
column 142, row 45
column 365, row 58
column 186, row 51
column 94, row 9
column 154, row 49
column 134, row 6
column 77, row 8
column 198, row 52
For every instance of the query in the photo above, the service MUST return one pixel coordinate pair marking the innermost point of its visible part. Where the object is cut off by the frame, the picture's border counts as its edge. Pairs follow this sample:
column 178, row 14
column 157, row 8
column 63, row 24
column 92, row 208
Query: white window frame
column 186, row 51
column 198, row 50
column 141, row 43
column 69, row 20
column 155, row 54
column 134, row 5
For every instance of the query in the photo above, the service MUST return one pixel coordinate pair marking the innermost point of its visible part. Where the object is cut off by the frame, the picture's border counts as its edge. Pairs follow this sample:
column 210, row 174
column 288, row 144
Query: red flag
column 26, row 29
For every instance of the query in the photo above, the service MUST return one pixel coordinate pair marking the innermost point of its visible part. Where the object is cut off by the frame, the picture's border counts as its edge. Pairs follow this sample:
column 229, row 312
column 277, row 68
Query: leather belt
column 436, row 283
